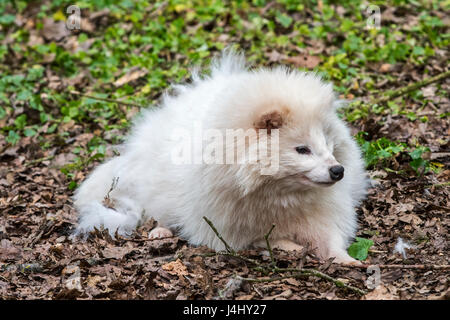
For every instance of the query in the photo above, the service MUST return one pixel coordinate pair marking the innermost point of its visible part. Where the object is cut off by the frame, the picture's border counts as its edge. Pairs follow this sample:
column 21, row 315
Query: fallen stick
column 394, row 266
column 229, row 250
column 272, row 268
column 414, row 86
column 36, row 161
column 227, row 247
column 298, row 273
column 306, row 273
column 438, row 185
column 106, row 99
column 403, row 266
column 388, row 96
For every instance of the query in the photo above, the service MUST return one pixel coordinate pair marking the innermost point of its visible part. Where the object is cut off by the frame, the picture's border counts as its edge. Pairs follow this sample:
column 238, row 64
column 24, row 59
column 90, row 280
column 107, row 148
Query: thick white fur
column 242, row 203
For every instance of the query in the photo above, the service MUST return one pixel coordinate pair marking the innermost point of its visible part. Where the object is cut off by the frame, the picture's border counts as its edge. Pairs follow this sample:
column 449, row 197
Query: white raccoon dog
column 309, row 198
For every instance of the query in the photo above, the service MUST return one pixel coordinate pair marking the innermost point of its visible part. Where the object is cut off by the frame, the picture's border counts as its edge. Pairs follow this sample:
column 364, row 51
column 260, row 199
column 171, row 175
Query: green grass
column 167, row 38
column 382, row 151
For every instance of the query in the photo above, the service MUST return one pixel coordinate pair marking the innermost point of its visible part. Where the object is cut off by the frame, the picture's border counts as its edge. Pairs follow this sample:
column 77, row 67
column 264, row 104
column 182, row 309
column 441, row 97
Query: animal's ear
column 269, row 121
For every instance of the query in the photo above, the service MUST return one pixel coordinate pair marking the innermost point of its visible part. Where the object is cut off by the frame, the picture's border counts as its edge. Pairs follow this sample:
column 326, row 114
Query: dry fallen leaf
column 410, row 218
column 8, row 251
column 275, row 56
column 115, row 252
column 304, row 61
column 93, row 280
column 73, row 283
column 54, row 30
column 86, row 25
column 133, row 74
column 385, row 67
column 175, row 268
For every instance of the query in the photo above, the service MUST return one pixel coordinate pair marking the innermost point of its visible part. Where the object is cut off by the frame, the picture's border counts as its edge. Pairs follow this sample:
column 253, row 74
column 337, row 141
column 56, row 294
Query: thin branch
column 233, row 255
column 414, row 86
column 337, row 282
column 106, row 99
column 156, row 11
column 36, row 161
column 437, row 185
column 394, row 266
column 271, row 279
column 404, row 266
column 4, row 279
column 227, row 246
column 300, row 273
column 272, row 268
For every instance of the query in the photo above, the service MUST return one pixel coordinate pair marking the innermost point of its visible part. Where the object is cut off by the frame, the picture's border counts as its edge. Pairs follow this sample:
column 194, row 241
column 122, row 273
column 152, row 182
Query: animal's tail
column 99, row 204
column 229, row 62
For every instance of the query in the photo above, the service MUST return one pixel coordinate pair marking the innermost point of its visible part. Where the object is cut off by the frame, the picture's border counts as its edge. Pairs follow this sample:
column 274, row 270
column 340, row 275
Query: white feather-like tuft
column 401, row 246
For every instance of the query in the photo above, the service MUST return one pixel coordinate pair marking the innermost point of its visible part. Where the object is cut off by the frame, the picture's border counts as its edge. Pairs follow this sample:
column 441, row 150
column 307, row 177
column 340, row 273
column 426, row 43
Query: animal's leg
column 282, row 244
column 337, row 250
column 160, row 233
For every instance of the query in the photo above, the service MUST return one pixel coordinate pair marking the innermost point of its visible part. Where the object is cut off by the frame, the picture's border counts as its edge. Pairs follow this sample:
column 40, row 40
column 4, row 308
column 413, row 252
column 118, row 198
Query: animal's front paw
column 160, row 233
column 287, row 245
column 344, row 258
column 352, row 262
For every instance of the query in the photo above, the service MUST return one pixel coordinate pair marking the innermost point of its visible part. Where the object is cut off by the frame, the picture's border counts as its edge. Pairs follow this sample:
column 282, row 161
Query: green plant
column 359, row 249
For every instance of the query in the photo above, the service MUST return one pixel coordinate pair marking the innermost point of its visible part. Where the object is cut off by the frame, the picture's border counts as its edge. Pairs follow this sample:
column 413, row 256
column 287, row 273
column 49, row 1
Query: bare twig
column 106, row 99
column 272, row 268
column 36, row 161
column 337, row 282
column 404, row 266
column 156, row 10
column 4, row 279
column 414, row 86
column 401, row 91
column 377, row 251
column 437, row 185
column 227, row 246
column 271, row 279
column 245, row 259
column 301, row 273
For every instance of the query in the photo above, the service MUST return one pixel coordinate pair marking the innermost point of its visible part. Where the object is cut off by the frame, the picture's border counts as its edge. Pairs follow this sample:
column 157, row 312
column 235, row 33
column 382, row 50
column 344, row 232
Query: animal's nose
column 336, row 173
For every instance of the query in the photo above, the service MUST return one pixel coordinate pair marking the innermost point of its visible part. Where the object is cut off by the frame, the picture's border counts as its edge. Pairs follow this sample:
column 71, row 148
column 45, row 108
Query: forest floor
column 53, row 133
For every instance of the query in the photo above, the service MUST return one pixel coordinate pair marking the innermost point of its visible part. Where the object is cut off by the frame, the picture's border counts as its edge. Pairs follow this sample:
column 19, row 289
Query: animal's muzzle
column 336, row 173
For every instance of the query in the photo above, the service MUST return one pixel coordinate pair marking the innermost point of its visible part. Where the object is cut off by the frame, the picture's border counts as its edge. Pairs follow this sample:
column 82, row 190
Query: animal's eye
column 303, row 150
